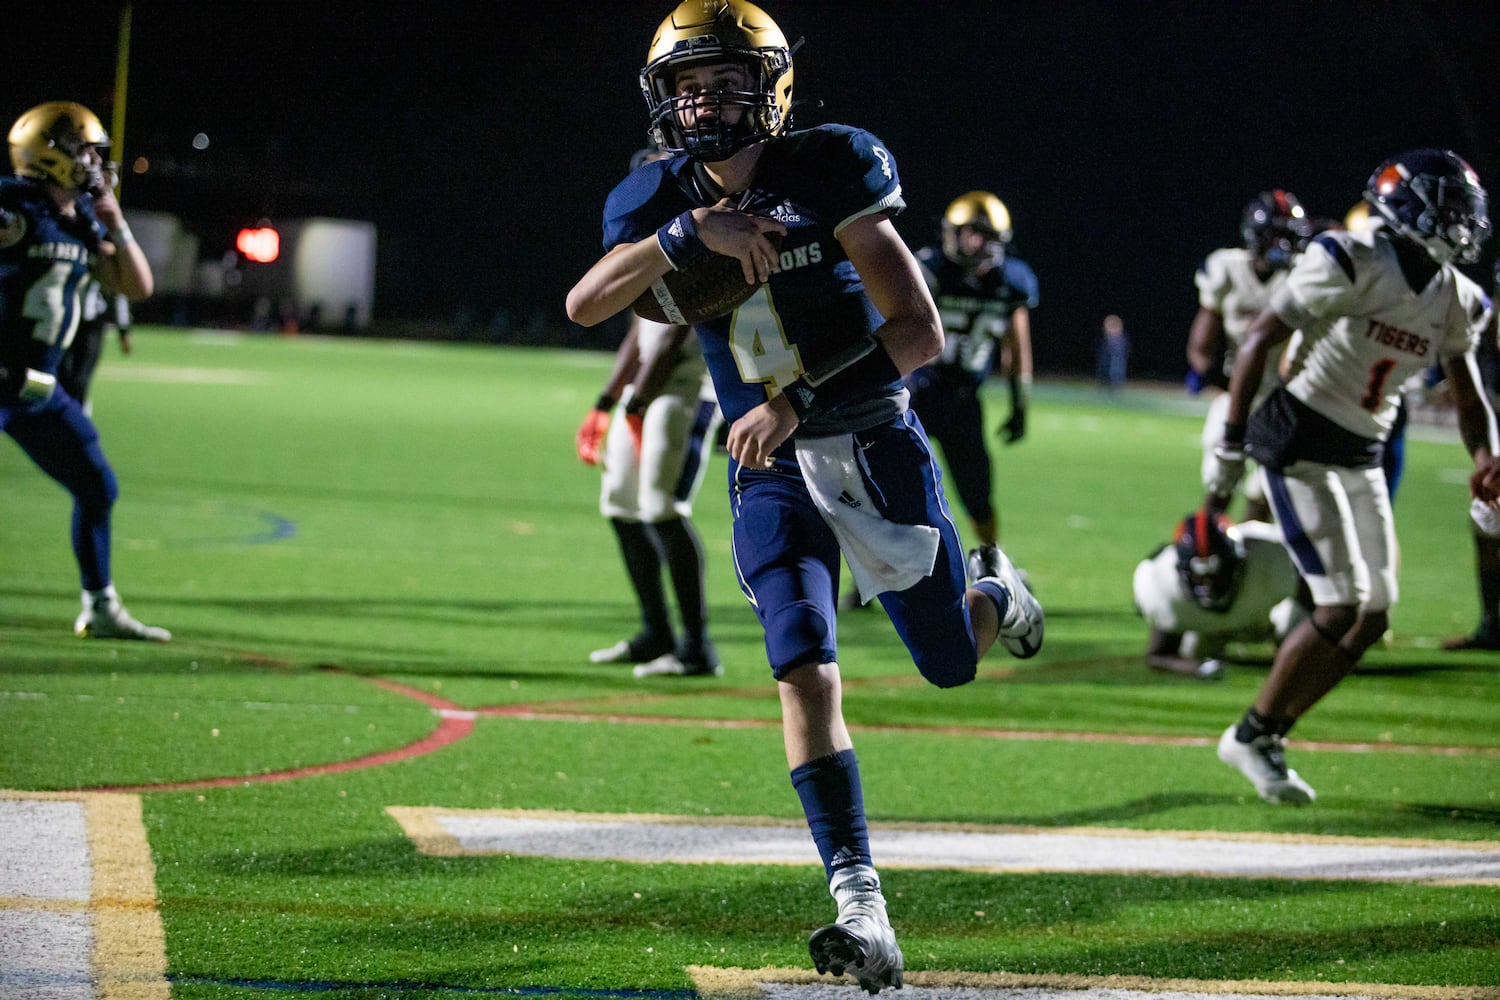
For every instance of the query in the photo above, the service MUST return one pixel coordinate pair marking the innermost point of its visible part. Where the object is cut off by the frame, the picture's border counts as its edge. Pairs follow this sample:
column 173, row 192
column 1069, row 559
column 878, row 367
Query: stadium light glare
column 261, row 244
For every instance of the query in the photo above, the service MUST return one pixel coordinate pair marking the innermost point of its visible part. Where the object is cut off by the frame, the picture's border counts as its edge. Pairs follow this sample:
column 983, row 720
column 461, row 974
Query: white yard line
column 653, row 839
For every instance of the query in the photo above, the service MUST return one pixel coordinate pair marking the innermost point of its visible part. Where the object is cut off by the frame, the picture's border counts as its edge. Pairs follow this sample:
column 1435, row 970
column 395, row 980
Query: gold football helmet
column 981, row 211
column 1359, row 220
column 47, row 142
column 713, row 126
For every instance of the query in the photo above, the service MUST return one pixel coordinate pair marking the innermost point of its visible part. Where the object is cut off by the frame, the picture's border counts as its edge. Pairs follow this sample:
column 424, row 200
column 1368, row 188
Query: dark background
column 481, row 138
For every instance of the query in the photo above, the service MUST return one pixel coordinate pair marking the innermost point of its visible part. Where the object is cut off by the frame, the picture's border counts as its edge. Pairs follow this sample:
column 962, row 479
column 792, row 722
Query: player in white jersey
column 1374, row 308
column 1234, row 287
column 1216, row 583
column 654, row 459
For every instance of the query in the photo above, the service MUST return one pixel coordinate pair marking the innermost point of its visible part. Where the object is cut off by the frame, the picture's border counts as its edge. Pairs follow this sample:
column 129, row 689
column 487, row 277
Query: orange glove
column 635, row 419
column 590, row 436
column 636, row 424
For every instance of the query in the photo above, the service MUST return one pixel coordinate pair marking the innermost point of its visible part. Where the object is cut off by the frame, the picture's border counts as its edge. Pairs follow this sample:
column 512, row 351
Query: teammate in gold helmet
column 60, row 227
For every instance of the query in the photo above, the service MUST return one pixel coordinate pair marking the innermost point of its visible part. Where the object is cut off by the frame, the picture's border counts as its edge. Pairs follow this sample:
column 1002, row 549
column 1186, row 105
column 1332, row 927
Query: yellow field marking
column 744, row 984
column 129, row 951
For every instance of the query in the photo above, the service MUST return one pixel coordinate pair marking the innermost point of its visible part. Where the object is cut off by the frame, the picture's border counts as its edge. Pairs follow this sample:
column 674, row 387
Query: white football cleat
column 1263, row 762
column 1023, row 625
column 637, row 649
column 860, row 941
column 672, row 665
column 104, row 617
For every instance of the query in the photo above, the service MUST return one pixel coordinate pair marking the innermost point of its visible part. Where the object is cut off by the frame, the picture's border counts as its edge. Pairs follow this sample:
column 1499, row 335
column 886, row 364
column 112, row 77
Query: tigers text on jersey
column 813, row 314
column 1229, row 285
column 1366, row 332
column 976, row 308
column 44, row 261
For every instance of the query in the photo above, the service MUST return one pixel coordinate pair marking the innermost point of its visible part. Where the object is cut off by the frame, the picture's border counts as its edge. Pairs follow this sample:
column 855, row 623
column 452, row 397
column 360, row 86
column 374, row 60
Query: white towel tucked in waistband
column 884, row 555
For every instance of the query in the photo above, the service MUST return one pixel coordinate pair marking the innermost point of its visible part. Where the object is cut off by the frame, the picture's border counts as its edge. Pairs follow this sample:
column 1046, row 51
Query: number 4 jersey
column 44, row 262
column 812, row 318
column 1366, row 332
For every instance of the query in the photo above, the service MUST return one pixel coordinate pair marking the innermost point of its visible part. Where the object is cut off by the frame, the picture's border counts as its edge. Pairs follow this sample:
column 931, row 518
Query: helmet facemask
column 1440, row 205
column 1274, row 228
column 1210, row 561
column 718, row 77
column 992, row 249
column 713, row 123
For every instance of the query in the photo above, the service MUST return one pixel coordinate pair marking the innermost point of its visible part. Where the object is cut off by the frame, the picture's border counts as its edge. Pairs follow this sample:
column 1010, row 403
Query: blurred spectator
column 1114, row 354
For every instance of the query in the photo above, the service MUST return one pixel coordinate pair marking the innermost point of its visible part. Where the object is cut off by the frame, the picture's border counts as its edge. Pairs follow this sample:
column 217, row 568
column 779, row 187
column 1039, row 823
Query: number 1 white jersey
column 1366, row 332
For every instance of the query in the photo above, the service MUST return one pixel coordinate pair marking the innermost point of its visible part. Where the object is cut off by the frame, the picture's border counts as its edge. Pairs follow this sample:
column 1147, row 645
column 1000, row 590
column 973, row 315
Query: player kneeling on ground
column 1216, row 583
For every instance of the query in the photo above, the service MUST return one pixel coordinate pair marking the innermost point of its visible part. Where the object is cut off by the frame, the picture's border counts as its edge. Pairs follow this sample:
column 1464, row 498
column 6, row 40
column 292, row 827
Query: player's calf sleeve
column 643, row 566
column 834, row 804
column 683, row 552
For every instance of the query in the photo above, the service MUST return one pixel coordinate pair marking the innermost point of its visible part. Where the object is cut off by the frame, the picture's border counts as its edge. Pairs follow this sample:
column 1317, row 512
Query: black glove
column 1014, row 429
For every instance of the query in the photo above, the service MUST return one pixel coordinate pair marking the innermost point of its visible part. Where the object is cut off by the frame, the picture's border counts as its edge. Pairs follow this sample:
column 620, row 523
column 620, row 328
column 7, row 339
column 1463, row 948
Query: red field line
column 456, row 723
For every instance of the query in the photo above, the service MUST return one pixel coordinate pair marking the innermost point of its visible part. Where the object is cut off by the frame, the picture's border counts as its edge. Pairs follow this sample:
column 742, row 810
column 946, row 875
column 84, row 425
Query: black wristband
column 1234, row 434
column 679, row 241
column 637, row 405
column 801, row 396
column 605, row 402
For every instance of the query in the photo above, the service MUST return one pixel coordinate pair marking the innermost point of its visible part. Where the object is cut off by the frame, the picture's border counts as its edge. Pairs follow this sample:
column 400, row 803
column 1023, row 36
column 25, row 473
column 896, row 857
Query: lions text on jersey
column 812, row 317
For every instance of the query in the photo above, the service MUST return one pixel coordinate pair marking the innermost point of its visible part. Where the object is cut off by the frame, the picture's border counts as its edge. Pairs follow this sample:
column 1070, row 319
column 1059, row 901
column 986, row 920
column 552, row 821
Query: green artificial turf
column 347, row 537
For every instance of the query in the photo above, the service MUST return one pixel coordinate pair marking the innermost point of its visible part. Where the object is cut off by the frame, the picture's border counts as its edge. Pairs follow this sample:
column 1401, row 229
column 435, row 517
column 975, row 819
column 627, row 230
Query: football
column 708, row 288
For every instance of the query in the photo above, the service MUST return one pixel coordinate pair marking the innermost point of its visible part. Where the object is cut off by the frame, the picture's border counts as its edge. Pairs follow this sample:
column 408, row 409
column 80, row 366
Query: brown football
column 709, row 288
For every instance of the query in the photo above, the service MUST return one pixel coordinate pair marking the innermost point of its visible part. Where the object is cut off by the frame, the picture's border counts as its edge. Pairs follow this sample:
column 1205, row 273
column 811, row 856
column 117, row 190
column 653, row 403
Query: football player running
column 1373, row 308
column 1235, row 285
column 984, row 295
column 654, row 458
column 826, row 456
column 60, row 222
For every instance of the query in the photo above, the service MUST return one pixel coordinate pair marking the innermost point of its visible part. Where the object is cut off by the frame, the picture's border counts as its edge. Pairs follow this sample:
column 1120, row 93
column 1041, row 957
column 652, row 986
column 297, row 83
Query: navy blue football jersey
column 44, row 261
column 976, row 309
column 812, row 317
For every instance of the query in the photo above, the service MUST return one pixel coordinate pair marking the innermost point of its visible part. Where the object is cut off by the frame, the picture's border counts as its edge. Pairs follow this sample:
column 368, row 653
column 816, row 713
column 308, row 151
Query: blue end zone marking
column 329, row 986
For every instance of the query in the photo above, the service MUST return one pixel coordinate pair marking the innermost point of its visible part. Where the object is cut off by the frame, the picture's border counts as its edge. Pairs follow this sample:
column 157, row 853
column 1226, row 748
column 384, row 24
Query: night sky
column 481, row 138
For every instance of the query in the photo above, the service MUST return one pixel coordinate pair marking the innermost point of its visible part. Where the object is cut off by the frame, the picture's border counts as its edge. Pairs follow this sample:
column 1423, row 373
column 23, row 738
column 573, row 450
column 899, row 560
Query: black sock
column 683, row 552
column 643, row 566
column 1255, row 725
column 1487, row 558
